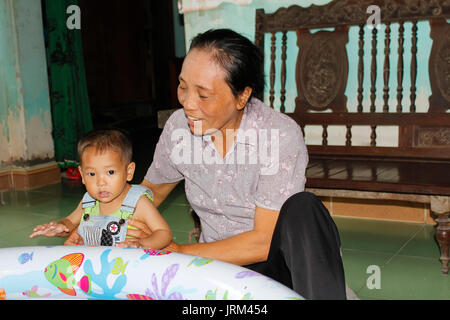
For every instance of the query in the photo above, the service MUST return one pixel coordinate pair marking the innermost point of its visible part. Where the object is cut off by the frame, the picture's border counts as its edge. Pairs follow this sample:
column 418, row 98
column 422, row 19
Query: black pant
column 305, row 250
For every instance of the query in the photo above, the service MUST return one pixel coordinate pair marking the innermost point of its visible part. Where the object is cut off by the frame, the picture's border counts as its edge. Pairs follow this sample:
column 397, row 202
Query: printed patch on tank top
column 102, row 230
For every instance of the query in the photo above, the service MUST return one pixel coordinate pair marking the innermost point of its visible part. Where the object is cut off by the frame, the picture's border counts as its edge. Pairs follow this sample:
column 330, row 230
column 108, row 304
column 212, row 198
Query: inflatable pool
column 65, row 272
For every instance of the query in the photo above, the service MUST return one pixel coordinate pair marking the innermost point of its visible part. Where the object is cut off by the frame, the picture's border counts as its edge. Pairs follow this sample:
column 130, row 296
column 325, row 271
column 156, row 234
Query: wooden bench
column 417, row 167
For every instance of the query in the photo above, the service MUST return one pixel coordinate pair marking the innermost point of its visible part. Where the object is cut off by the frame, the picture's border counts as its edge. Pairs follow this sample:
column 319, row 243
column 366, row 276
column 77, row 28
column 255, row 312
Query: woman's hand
column 172, row 247
column 142, row 232
column 129, row 244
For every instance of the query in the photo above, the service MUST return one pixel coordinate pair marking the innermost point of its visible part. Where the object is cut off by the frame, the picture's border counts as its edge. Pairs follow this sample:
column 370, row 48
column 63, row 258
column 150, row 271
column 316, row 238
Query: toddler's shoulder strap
column 87, row 201
column 132, row 197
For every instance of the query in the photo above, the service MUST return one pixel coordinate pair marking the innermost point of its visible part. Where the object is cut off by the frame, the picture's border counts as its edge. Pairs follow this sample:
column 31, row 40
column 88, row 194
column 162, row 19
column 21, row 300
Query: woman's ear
column 243, row 97
column 130, row 170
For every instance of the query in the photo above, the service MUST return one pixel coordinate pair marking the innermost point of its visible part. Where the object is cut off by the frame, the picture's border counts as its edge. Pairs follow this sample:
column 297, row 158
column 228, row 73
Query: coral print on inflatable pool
column 64, row 272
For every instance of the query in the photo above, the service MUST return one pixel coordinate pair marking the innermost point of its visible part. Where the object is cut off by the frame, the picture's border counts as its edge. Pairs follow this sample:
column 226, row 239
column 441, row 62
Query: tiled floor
column 405, row 254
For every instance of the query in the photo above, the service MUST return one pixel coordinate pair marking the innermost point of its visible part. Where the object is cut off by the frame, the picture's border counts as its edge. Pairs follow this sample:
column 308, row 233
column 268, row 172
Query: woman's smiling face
column 208, row 101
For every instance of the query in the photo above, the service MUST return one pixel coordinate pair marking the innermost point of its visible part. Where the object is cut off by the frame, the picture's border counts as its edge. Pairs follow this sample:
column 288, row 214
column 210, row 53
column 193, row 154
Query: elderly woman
column 243, row 164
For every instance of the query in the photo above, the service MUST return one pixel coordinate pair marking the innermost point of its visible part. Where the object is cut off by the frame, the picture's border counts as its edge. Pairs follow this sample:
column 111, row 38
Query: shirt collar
column 244, row 125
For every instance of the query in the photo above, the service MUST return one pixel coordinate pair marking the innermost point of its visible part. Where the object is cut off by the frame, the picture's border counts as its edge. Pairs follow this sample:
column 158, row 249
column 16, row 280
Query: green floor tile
column 38, row 241
column 178, row 217
column 374, row 235
column 411, row 278
column 25, row 199
column 181, row 237
column 356, row 266
column 40, row 202
column 423, row 244
column 17, row 220
column 175, row 209
column 57, row 208
column 67, row 187
column 21, row 233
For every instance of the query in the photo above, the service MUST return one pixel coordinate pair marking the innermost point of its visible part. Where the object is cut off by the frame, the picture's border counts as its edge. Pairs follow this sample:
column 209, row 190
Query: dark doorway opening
column 131, row 68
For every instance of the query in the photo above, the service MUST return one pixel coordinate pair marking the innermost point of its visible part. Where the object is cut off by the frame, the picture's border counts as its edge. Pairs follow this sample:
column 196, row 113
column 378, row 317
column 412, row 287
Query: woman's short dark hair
column 237, row 55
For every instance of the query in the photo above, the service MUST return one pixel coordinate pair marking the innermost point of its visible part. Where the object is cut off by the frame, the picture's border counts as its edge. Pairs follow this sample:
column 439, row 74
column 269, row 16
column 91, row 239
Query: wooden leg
column 440, row 205
column 443, row 238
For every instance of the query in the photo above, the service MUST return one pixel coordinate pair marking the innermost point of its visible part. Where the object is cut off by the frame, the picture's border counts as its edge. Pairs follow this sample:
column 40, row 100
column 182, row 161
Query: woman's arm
column 160, row 191
column 242, row 249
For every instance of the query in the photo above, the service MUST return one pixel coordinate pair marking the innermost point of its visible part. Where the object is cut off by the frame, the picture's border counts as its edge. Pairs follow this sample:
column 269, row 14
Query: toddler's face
column 105, row 174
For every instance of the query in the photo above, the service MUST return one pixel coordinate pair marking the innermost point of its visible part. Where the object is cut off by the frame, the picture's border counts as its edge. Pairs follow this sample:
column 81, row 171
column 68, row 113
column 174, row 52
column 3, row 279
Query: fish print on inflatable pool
column 25, row 257
column 32, row 293
column 61, row 274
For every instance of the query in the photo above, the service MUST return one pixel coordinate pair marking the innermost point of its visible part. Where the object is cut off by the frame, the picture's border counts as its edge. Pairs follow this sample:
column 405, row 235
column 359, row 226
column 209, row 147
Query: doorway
column 131, row 68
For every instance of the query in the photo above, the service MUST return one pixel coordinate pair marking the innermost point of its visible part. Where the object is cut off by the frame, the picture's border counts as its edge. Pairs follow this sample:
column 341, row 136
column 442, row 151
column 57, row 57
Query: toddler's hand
column 49, row 229
column 74, row 239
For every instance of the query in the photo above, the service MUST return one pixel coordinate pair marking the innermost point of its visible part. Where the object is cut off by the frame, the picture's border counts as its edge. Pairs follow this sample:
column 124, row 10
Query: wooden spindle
column 326, row 170
column 349, row 169
column 373, row 136
column 325, row 135
column 348, row 136
column 412, row 96
column 387, row 50
column 272, row 70
column 374, row 173
column 373, row 70
column 360, row 68
column 401, row 29
column 283, row 72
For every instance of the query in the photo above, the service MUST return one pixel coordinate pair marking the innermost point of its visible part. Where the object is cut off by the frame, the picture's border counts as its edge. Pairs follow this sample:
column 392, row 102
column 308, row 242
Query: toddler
column 101, row 217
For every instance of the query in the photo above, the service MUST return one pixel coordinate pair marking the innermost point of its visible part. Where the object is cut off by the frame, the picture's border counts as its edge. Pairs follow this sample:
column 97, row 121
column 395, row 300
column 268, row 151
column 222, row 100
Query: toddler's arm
column 161, row 235
column 52, row 229
column 61, row 228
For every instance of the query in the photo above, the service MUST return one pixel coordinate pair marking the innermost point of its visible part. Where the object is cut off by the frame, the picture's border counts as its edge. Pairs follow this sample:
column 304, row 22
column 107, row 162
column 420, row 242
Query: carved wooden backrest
column 321, row 73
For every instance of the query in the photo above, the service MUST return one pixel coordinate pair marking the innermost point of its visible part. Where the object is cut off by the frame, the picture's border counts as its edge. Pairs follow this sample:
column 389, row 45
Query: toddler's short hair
column 103, row 140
